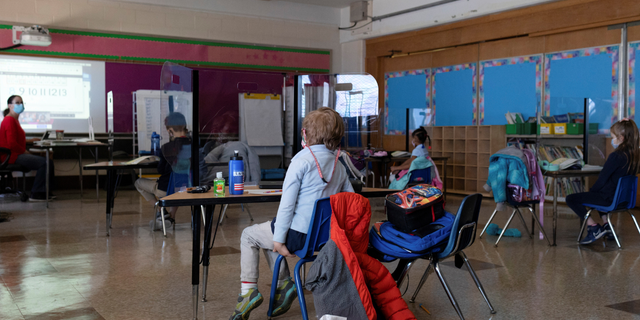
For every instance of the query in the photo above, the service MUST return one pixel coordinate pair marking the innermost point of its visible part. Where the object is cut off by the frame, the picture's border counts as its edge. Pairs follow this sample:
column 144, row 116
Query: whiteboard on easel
column 261, row 120
column 153, row 106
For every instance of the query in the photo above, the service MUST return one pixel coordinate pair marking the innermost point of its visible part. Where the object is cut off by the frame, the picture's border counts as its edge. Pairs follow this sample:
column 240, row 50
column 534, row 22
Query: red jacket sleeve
column 383, row 289
column 15, row 142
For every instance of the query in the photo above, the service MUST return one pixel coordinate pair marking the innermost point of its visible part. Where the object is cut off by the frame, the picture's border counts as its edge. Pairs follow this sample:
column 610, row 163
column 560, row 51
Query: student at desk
column 314, row 173
column 623, row 161
column 173, row 155
column 418, row 138
column 13, row 138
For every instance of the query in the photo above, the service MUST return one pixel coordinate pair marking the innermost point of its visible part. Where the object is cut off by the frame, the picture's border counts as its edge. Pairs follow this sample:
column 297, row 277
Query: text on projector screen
column 57, row 93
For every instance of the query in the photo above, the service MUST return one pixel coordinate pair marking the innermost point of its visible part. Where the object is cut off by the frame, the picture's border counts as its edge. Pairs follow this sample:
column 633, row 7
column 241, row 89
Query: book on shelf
column 514, row 117
column 564, row 163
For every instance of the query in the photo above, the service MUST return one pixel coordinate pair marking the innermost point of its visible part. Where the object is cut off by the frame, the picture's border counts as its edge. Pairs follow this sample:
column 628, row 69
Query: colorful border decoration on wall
column 459, row 67
column 130, row 48
column 537, row 59
column 390, row 75
column 611, row 50
column 633, row 52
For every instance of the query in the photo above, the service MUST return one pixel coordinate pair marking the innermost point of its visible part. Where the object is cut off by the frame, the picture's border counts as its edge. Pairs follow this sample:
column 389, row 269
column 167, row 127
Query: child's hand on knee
column 280, row 248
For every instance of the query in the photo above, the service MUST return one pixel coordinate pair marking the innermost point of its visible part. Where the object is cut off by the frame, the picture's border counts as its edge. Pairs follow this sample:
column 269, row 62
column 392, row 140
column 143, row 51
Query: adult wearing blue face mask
column 12, row 137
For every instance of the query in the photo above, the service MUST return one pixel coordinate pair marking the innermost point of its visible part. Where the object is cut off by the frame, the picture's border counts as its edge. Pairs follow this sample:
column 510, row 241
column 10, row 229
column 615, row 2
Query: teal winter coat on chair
column 417, row 164
column 505, row 169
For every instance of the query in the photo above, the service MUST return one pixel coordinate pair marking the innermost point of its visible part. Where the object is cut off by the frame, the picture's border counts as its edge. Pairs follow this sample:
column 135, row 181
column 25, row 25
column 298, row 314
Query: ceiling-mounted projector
column 31, row 36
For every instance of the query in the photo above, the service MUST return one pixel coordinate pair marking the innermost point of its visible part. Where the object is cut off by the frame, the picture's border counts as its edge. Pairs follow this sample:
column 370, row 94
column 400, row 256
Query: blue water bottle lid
column 236, row 155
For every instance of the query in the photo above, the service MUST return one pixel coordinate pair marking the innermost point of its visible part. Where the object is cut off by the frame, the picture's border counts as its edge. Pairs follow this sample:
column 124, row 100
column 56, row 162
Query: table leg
column 97, row 180
column 195, row 259
column 533, row 221
column 46, row 179
column 208, row 244
column 444, row 183
column 80, row 169
column 108, row 202
column 555, row 209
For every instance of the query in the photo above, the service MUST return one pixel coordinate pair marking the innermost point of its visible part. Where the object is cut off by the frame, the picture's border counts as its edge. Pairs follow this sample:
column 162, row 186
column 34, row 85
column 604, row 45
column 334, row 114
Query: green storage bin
column 593, row 128
column 529, row 128
column 575, row 128
column 514, row 128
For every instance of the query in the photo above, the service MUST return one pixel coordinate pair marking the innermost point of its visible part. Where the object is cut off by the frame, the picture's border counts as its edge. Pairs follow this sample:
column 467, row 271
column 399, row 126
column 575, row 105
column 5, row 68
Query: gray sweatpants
column 255, row 238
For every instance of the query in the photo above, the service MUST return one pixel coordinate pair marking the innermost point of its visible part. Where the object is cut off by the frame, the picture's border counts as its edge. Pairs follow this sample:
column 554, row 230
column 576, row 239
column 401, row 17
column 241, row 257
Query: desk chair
column 175, row 179
column 463, row 234
column 6, row 174
column 317, row 237
column 623, row 200
column 419, row 176
column 516, row 209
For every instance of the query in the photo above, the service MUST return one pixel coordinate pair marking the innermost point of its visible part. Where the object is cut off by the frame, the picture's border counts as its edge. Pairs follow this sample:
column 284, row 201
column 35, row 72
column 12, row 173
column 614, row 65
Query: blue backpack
column 388, row 243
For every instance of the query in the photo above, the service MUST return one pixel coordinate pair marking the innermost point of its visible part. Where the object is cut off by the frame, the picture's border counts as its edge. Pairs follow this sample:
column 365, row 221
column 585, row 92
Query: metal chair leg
column 248, row 212
column 446, row 289
column 584, row 224
column 634, row 220
column 224, row 211
column 488, row 222
column 524, row 224
column 204, row 219
column 422, row 281
column 505, row 227
column 615, row 236
column 533, row 214
column 300, row 289
column 164, row 229
column 404, row 273
column 274, row 283
column 477, row 281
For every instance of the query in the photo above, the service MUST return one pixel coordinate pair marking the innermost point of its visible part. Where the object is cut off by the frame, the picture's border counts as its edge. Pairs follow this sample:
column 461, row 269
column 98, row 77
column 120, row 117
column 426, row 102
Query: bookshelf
column 469, row 149
column 597, row 147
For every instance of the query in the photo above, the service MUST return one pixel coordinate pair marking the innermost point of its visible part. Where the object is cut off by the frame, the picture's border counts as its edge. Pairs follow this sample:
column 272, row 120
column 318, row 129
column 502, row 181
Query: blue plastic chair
column 623, row 200
column 174, row 180
column 419, row 176
column 463, row 234
column 317, row 236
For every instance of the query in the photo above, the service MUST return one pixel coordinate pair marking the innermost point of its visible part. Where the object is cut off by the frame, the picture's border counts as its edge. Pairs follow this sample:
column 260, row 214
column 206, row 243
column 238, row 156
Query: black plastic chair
column 6, row 175
column 463, row 234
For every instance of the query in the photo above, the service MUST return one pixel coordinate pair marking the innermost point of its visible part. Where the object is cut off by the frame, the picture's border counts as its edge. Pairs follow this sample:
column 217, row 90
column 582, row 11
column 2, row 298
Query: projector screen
column 58, row 94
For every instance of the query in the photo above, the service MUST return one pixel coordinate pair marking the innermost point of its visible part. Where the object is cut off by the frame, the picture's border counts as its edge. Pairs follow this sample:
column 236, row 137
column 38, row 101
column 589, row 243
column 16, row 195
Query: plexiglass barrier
column 172, row 115
column 353, row 96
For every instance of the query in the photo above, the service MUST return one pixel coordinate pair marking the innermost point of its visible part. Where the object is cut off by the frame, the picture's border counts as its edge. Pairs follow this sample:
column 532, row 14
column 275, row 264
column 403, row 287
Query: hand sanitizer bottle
column 218, row 185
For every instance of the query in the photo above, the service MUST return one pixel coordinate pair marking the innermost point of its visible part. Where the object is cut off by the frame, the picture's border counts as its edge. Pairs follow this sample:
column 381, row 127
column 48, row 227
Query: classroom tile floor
column 56, row 263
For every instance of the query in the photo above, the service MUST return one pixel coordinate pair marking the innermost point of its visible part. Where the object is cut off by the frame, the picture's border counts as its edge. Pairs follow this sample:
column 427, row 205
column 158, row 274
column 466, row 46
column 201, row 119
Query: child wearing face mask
column 418, row 138
column 175, row 156
column 314, row 173
column 623, row 161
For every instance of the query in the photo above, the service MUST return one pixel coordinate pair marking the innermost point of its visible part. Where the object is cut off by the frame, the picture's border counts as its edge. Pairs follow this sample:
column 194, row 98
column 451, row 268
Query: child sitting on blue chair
column 314, row 173
column 418, row 138
column 623, row 161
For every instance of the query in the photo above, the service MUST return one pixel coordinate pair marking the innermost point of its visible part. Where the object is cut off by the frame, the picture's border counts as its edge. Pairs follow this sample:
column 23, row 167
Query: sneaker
column 40, row 197
column 246, row 303
column 285, row 295
column 593, row 233
column 156, row 224
column 606, row 228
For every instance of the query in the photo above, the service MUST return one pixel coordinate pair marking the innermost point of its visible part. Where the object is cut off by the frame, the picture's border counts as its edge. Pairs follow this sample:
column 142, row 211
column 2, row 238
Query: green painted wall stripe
column 205, row 63
column 224, row 64
column 169, row 40
column 66, row 54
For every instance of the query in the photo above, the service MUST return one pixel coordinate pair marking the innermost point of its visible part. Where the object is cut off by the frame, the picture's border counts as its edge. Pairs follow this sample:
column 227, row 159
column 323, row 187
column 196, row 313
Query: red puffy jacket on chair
column 345, row 281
